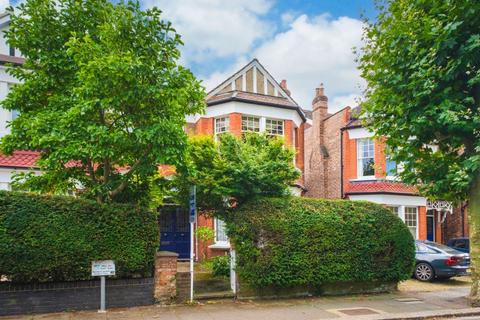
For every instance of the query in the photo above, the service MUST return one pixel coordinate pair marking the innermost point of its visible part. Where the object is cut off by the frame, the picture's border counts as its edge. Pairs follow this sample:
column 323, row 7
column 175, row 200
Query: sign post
column 193, row 215
column 101, row 269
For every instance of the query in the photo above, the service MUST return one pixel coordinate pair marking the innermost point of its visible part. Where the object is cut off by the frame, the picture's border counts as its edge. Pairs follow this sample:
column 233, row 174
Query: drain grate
column 357, row 311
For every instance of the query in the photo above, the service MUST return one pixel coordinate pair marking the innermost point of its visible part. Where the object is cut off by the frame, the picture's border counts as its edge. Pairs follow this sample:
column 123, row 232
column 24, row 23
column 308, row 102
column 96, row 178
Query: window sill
column 220, row 246
column 392, row 178
column 369, row 178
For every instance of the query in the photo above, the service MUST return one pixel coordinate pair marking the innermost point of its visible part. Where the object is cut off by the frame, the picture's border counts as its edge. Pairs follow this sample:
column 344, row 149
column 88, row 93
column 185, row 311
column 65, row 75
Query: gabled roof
column 253, row 84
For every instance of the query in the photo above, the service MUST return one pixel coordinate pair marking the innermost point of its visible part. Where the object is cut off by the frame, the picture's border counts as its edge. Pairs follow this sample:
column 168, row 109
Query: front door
column 175, row 231
column 430, row 225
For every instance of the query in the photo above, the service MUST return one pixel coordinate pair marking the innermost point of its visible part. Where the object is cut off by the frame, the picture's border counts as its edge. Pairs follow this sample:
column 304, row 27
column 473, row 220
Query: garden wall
column 75, row 295
column 246, row 292
column 166, row 286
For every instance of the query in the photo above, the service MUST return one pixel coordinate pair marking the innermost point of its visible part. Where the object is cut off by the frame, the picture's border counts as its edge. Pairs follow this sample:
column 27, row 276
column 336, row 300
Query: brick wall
column 333, row 166
column 314, row 173
column 204, row 126
column 454, row 225
column 165, row 276
column 422, row 223
column 75, row 295
column 183, row 287
column 288, row 132
column 349, row 160
column 236, row 124
column 300, row 150
column 380, row 159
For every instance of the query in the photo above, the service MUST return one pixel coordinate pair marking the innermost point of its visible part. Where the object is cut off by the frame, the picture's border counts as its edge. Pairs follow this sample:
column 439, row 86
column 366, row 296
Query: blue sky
column 304, row 42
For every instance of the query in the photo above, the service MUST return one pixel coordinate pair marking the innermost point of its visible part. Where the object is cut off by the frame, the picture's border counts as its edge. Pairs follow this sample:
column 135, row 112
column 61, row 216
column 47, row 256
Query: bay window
column 222, row 125
column 274, row 127
column 250, row 124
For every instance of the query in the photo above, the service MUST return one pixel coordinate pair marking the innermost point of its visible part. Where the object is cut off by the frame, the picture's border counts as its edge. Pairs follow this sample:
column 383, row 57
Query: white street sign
column 103, row 268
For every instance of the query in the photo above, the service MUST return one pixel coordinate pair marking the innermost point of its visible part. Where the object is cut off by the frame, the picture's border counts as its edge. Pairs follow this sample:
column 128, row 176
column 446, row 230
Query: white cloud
column 3, row 5
column 312, row 51
column 339, row 102
column 288, row 17
column 216, row 28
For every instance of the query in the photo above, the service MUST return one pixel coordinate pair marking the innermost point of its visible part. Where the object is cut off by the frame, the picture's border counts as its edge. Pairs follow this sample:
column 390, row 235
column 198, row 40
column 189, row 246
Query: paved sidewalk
column 399, row 305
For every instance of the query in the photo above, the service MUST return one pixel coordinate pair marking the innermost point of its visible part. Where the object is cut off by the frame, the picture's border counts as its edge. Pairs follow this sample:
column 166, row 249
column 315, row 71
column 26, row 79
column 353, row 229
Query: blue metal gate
column 175, row 231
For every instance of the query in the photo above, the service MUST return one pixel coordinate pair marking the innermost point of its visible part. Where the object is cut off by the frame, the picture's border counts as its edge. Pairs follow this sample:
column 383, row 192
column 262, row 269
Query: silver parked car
column 434, row 260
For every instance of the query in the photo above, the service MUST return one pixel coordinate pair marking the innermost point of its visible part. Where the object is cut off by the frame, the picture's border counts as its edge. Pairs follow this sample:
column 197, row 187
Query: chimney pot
column 319, row 91
column 320, row 100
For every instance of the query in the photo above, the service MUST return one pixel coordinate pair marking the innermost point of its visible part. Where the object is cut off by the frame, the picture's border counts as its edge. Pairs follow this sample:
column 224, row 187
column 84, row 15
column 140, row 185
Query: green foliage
column 421, row 61
column 235, row 168
column 221, row 266
column 291, row 241
column 205, row 234
column 102, row 96
column 53, row 238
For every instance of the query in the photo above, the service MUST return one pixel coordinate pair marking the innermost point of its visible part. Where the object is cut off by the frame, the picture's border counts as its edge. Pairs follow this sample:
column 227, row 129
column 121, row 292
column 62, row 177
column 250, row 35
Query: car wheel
column 424, row 272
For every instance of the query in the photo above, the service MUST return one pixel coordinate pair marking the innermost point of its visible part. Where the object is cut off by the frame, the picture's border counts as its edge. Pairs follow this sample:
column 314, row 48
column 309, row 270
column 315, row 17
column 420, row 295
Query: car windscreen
column 441, row 247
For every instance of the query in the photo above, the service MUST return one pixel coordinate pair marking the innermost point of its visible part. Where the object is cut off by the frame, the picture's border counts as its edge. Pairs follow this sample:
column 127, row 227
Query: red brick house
column 250, row 100
column 343, row 160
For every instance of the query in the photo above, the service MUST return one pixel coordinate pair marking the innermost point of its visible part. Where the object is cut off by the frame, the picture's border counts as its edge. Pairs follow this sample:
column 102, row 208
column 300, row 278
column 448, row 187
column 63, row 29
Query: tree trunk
column 474, row 230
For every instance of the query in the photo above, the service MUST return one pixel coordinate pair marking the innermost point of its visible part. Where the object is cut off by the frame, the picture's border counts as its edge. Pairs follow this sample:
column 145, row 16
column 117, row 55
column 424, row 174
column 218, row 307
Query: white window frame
column 416, row 218
column 226, row 121
column 394, row 207
column 223, row 243
column 388, row 174
column 276, row 120
column 401, row 211
column 360, row 158
column 262, row 125
column 248, row 118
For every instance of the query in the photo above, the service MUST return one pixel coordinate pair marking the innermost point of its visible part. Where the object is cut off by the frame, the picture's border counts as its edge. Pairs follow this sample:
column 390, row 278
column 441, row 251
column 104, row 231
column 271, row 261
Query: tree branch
column 124, row 183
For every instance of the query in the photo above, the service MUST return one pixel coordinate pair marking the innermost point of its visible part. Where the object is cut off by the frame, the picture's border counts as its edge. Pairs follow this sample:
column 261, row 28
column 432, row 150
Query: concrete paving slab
column 399, row 305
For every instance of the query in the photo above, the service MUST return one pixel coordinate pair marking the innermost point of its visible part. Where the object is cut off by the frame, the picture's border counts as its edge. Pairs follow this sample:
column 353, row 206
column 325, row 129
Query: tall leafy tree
column 421, row 60
column 235, row 169
column 102, row 95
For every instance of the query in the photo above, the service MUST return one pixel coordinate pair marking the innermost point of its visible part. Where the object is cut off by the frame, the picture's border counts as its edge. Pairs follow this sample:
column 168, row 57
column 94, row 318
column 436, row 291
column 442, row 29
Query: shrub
column 53, row 238
column 287, row 242
column 221, row 266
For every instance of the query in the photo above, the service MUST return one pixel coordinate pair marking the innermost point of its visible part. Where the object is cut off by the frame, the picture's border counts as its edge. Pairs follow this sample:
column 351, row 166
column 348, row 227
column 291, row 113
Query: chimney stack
column 319, row 113
column 283, row 84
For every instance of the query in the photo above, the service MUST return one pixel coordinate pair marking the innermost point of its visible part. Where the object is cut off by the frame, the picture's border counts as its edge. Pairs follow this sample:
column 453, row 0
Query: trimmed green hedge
column 52, row 238
column 289, row 242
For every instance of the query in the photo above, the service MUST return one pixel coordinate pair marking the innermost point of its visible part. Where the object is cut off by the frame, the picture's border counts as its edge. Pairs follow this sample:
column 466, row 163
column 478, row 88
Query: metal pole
column 102, row 295
column 233, row 273
column 191, row 261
